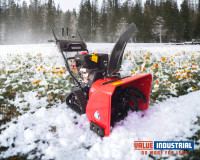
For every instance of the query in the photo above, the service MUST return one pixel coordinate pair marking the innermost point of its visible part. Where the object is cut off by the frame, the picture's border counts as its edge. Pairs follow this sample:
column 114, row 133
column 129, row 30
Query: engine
column 91, row 67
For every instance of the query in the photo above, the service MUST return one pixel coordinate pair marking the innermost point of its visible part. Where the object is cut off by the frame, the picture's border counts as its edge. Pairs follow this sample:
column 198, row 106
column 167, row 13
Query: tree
column 1, row 22
column 94, row 20
column 136, row 17
column 185, row 17
column 85, row 20
column 103, row 22
column 158, row 28
column 105, row 25
column 170, row 14
column 114, row 16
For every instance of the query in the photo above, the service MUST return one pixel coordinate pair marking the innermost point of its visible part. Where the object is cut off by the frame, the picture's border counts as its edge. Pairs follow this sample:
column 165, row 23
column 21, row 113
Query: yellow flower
column 53, row 72
column 192, row 56
column 59, row 75
column 195, row 68
column 147, row 57
column 54, row 86
column 163, row 59
column 61, row 71
column 193, row 64
column 183, row 64
column 157, row 82
column 38, row 81
column 155, row 65
column 132, row 73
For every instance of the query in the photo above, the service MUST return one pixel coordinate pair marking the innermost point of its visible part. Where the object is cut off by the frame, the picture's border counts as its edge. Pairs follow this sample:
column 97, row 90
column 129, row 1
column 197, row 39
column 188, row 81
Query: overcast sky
column 70, row 4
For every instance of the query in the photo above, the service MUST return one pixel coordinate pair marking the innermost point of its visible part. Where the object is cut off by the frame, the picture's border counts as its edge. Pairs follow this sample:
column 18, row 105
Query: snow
column 58, row 132
column 169, row 120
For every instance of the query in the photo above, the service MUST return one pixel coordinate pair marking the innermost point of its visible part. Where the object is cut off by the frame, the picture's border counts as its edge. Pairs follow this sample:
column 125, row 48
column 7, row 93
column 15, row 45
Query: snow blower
column 99, row 90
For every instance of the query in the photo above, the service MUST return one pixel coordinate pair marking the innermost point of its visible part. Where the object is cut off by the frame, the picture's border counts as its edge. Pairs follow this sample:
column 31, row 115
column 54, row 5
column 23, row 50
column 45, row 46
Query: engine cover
column 87, row 61
column 91, row 67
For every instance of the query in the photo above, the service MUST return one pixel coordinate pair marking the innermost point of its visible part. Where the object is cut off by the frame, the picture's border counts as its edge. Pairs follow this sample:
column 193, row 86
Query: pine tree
column 73, row 22
column 25, row 23
column 51, row 14
column 103, row 22
column 85, row 20
column 136, row 17
column 148, row 20
column 185, row 17
column 1, row 21
column 114, row 18
column 196, row 32
column 94, row 19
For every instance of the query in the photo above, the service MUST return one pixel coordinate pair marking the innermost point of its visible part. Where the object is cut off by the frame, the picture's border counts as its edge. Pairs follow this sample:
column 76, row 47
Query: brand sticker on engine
column 94, row 57
column 117, row 83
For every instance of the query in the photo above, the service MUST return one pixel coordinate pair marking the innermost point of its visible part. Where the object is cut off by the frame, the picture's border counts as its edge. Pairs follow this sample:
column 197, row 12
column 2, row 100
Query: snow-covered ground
column 59, row 133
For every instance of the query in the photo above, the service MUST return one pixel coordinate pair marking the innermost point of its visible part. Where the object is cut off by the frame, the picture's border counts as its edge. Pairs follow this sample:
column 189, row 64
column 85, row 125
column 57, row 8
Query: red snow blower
column 99, row 90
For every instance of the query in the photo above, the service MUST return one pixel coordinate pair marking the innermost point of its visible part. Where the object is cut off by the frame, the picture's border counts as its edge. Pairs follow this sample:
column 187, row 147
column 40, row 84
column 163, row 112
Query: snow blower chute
column 99, row 90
